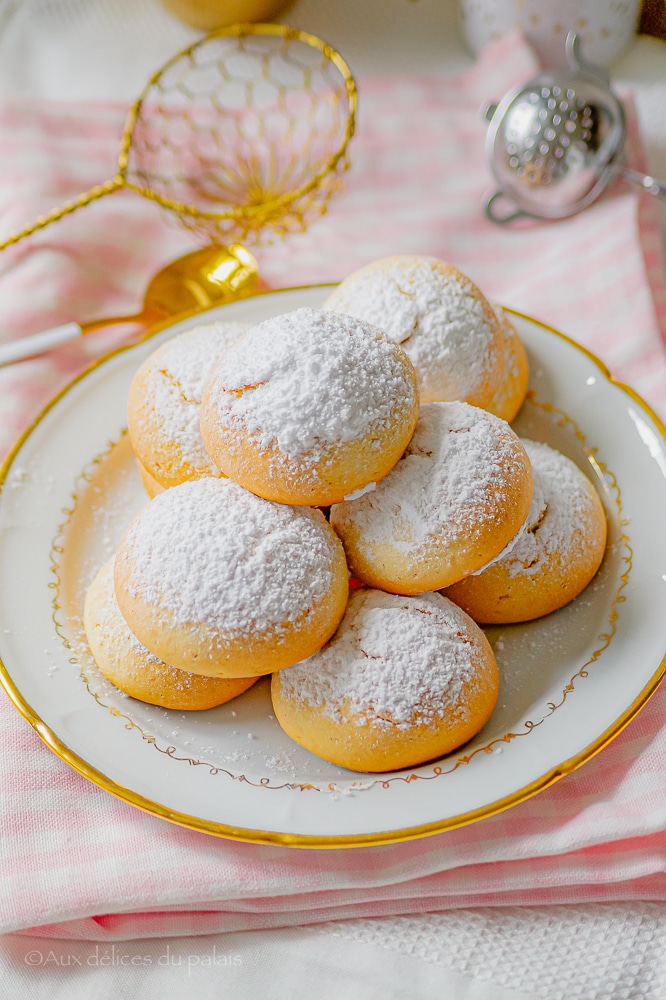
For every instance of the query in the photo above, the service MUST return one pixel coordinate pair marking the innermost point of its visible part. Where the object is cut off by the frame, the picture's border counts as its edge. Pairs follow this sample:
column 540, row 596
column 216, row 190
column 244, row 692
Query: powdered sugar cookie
column 554, row 559
column 510, row 395
column 213, row 579
column 128, row 664
column 403, row 680
column 165, row 400
column 440, row 318
column 308, row 407
column 458, row 495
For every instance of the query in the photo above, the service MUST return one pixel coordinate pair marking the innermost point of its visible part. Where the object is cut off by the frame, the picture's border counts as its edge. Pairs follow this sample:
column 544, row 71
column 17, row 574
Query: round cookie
column 127, row 664
column 455, row 499
column 308, row 407
column 404, row 680
column 441, row 319
column 165, row 399
column 510, row 395
column 554, row 559
column 213, row 579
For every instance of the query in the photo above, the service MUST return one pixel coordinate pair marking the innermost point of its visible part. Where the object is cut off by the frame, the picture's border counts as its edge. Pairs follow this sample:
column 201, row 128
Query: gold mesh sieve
column 241, row 137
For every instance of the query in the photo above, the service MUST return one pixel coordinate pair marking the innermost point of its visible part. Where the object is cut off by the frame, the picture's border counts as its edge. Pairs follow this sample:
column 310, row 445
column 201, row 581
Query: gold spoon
column 198, row 280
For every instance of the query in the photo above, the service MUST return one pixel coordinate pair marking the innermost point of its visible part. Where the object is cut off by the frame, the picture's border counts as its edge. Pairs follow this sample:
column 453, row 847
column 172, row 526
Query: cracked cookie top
column 438, row 316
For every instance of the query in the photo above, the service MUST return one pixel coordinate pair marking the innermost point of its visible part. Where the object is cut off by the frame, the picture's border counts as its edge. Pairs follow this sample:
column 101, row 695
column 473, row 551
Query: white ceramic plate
column 570, row 681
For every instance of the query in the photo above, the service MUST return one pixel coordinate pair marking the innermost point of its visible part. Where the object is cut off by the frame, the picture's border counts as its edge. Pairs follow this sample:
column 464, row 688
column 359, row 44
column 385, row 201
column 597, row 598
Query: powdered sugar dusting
column 113, row 626
column 442, row 485
column 438, row 316
column 391, row 660
column 308, row 379
column 178, row 372
column 534, row 515
column 563, row 517
column 211, row 552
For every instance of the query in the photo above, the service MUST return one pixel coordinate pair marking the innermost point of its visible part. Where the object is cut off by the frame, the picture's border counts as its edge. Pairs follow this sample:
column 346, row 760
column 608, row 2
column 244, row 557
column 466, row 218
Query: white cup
column 606, row 27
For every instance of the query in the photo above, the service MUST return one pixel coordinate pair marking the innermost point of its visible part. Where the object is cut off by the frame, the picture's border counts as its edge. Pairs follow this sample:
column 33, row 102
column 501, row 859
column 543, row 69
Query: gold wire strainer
column 242, row 136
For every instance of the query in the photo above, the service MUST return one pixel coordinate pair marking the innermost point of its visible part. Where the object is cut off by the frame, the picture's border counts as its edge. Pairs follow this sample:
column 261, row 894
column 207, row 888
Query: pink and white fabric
column 79, row 863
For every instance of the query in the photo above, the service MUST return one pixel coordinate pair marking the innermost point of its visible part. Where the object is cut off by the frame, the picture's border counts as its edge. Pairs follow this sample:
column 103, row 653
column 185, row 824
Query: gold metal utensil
column 207, row 14
column 242, row 136
column 203, row 278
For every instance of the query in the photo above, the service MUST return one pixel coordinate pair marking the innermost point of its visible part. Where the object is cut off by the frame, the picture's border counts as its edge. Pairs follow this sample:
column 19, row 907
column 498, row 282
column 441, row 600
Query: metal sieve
column 555, row 142
column 242, row 136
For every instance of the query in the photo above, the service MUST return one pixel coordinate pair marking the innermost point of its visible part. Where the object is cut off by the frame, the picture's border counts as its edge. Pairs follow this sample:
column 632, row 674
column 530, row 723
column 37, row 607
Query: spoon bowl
column 203, row 278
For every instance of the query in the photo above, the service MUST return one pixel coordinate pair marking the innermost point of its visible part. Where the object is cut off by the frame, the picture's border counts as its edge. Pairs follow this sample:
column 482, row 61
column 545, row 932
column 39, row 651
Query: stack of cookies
column 338, row 500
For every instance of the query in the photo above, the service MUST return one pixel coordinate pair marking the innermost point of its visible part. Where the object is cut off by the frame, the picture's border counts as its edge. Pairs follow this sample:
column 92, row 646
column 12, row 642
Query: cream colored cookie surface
column 511, row 392
column 215, row 580
column 308, row 407
column 165, row 399
column 150, row 484
column 128, row 664
column 404, row 680
column 441, row 319
column 458, row 495
column 553, row 559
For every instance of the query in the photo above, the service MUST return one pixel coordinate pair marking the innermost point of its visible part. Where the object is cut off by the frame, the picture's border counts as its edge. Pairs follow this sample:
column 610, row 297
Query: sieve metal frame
column 523, row 205
column 249, row 212
column 253, row 216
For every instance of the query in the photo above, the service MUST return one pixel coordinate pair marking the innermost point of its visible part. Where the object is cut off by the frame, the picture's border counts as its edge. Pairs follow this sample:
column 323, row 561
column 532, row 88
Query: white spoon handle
column 38, row 343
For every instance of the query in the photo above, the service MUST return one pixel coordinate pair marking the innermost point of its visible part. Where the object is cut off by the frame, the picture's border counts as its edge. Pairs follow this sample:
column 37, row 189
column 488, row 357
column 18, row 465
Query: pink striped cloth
column 78, row 863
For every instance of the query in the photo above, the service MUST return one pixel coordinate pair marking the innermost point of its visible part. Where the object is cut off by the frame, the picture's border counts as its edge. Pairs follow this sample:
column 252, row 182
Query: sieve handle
column 501, row 217
column 648, row 183
column 66, row 209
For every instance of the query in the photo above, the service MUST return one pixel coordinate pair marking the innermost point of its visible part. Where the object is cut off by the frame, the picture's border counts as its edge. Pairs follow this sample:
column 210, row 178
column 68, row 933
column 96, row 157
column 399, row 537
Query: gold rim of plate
column 81, row 766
